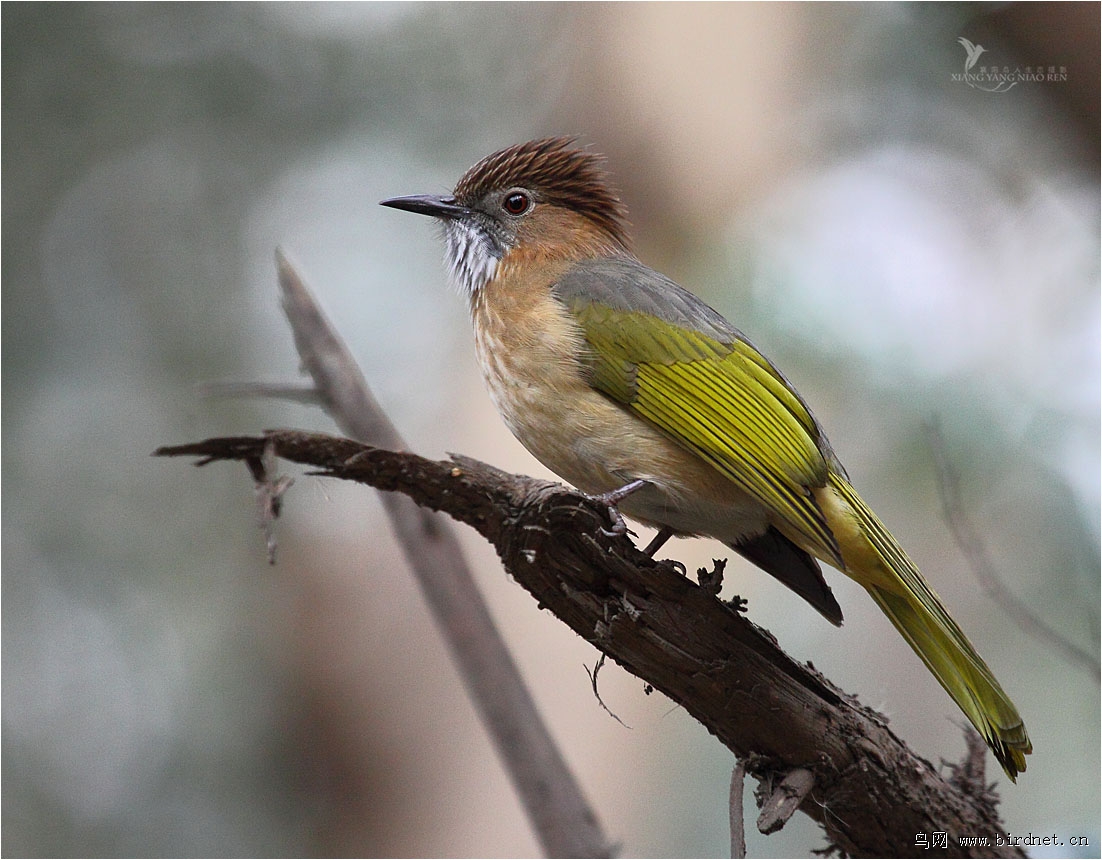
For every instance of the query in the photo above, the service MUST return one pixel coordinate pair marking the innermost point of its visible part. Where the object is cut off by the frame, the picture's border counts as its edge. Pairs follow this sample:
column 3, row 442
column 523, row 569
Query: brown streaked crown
column 558, row 173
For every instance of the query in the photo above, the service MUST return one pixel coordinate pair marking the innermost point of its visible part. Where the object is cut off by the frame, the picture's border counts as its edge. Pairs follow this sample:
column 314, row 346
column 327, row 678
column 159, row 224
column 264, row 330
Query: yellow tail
column 874, row 559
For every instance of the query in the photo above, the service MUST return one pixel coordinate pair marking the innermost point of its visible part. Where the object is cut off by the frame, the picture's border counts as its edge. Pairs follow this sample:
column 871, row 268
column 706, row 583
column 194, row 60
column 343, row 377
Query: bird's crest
column 558, row 173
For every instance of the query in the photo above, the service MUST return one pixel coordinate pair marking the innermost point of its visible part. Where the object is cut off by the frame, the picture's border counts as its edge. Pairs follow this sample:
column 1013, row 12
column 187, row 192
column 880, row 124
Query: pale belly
column 597, row 446
column 534, row 378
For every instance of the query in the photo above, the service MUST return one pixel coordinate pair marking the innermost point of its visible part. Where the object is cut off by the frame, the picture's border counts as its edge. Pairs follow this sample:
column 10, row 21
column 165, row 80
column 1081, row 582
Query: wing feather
column 701, row 382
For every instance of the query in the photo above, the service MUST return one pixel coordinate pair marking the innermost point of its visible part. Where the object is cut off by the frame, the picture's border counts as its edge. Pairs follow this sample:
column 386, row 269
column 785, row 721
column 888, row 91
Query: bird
column 973, row 51
column 636, row 392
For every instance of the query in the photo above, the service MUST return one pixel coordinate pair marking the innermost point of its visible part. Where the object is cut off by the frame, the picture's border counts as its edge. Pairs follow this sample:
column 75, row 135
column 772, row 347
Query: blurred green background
column 907, row 247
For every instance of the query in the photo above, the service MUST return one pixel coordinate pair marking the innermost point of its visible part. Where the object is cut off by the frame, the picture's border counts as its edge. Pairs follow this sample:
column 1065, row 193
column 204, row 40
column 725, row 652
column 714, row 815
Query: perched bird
column 631, row 388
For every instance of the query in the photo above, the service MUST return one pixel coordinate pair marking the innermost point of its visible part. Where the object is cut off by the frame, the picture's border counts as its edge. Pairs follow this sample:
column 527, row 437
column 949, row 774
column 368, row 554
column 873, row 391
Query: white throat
column 470, row 255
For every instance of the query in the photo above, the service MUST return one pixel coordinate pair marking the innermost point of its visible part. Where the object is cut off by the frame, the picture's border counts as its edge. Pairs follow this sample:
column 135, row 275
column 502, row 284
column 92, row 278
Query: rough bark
column 870, row 793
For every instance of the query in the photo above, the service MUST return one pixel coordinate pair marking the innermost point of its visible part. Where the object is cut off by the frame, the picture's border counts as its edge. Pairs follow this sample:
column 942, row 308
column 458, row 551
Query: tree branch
column 871, row 794
column 738, row 825
column 562, row 818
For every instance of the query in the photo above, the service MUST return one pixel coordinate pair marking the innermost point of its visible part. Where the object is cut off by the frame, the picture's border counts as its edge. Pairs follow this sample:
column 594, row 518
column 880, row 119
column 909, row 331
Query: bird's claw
column 619, row 527
column 611, row 499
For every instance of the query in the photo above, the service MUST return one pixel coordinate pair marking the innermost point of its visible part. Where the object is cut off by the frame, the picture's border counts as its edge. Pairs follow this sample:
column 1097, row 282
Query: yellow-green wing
column 664, row 354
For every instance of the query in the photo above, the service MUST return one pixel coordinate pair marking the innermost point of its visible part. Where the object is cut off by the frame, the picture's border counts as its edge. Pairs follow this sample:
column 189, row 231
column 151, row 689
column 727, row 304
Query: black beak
column 428, row 204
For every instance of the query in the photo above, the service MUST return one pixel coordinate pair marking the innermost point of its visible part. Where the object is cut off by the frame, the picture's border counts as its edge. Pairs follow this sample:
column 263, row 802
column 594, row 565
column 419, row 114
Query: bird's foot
column 659, row 539
column 656, row 543
column 613, row 498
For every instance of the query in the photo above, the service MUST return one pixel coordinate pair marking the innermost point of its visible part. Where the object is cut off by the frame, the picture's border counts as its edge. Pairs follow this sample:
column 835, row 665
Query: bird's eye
column 517, row 203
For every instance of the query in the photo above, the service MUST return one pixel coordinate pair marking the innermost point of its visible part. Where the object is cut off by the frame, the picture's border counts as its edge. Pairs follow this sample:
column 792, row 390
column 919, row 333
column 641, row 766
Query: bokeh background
column 907, row 247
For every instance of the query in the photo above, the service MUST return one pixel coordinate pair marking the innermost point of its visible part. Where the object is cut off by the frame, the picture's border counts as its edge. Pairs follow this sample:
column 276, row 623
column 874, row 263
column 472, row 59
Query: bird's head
column 544, row 199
